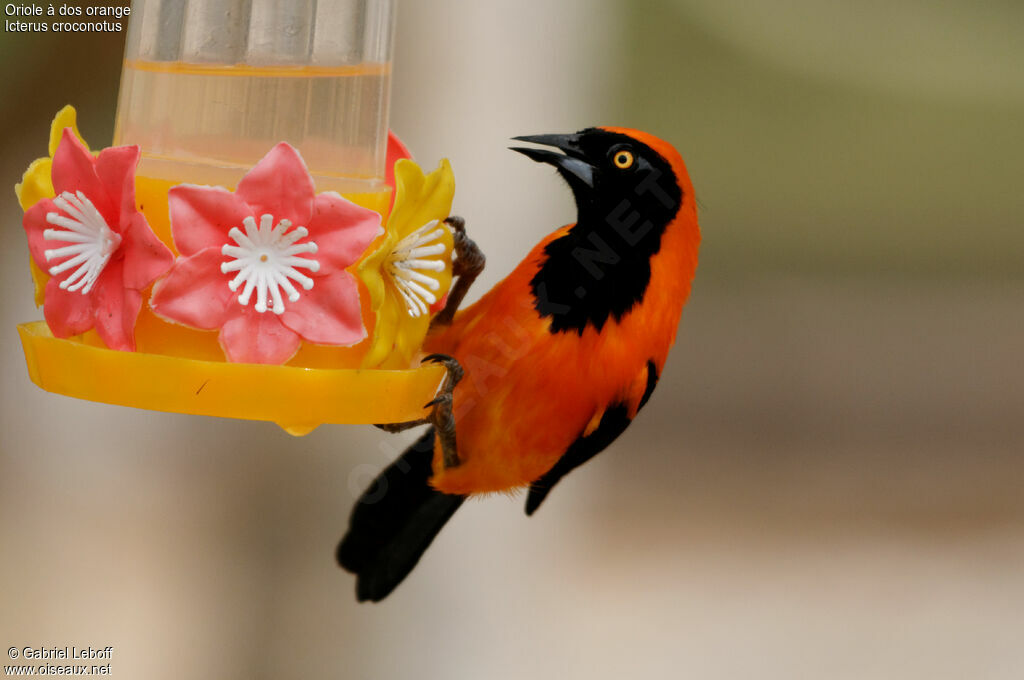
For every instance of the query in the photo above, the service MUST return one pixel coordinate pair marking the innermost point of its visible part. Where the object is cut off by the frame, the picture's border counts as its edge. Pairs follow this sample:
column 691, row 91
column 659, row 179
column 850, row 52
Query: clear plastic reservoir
column 209, row 86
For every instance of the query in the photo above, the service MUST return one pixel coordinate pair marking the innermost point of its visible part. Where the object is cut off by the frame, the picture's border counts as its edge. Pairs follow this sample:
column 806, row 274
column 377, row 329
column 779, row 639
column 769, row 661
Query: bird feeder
column 254, row 244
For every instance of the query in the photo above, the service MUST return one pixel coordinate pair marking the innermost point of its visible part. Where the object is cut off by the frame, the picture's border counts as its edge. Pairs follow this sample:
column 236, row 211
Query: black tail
column 394, row 522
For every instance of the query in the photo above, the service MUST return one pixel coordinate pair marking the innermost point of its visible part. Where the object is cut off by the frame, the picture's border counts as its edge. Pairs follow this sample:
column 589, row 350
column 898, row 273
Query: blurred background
column 827, row 483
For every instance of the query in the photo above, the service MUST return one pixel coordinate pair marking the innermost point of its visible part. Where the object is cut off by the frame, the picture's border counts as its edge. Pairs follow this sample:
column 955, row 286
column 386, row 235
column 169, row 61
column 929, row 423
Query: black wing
column 613, row 422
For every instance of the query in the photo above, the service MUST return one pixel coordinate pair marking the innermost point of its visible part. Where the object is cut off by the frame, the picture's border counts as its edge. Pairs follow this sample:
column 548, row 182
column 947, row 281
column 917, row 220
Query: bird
column 552, row 364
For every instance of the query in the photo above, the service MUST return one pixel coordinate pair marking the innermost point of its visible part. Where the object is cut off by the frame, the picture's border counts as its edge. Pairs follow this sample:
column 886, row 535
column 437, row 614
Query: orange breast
column 528, row 393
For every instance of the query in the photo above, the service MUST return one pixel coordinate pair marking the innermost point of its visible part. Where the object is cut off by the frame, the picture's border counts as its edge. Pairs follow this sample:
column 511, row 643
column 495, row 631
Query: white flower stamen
column 405, row 265
column 265, row 258
column 91, row 238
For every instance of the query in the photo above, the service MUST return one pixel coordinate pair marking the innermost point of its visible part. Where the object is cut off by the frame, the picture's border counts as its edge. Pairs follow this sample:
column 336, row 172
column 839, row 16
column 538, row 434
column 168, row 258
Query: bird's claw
column 444, row 399
column 453, row 367
column 458, row 224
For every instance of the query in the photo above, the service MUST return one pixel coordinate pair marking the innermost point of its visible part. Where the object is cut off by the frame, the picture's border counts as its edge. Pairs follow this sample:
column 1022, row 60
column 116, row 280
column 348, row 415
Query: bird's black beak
column 572, row 162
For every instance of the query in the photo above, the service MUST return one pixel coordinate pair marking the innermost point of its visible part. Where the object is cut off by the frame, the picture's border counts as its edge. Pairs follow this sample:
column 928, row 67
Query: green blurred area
column 44, row 71
column 828, row 153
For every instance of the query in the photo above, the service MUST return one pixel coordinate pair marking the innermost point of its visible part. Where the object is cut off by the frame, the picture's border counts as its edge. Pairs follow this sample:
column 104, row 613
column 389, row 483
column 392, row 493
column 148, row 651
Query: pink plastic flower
column 93, row 242
column 266, row 264
column 396, row 151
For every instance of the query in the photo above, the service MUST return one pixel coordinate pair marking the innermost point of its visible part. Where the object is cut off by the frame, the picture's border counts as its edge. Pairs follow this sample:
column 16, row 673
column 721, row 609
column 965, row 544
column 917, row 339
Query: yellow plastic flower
column 409, row 273
column 35, row 184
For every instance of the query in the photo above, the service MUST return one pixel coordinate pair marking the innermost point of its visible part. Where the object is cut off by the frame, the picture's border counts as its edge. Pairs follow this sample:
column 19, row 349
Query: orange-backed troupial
column 553, row 363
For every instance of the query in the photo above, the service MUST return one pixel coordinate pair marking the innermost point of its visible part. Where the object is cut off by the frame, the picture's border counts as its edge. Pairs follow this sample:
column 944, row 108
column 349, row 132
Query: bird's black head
column 629, row 187
column 611, row 170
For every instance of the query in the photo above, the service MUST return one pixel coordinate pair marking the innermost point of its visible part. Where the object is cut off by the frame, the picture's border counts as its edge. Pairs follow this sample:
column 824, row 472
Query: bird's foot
column 441, row 415
column 467, row 264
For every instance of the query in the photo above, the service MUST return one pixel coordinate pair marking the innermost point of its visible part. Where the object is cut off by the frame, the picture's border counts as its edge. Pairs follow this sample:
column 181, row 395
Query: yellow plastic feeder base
column 298, row 399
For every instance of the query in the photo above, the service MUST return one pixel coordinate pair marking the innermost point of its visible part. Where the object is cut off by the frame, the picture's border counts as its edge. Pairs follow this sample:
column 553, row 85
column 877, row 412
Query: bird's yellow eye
column 623, row 159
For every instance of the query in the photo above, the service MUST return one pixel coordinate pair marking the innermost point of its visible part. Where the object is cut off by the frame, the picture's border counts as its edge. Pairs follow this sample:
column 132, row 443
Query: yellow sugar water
column 208, row 124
